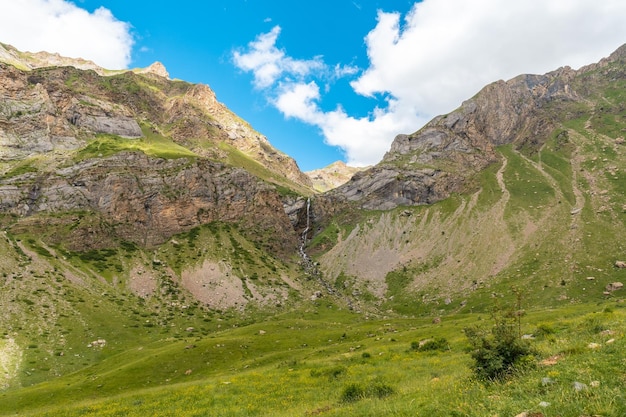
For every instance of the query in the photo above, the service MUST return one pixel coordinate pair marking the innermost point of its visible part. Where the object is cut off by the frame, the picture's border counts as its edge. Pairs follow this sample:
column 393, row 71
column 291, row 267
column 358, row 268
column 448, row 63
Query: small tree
column 499, row 351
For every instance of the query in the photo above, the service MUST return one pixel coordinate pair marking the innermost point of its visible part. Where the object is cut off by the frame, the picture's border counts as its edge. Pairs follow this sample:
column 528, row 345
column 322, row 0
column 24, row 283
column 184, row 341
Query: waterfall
column 309, row 266
column 306, row 230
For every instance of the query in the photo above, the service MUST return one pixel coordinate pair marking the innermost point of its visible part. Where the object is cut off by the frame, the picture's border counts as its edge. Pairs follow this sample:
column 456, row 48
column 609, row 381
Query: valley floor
column 331, row 362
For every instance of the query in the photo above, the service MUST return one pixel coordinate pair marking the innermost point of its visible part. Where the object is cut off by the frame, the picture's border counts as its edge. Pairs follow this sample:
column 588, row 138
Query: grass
column 238, row 159
column 528, row 190
column 152, row 145
column 336, row 363
column 20, row 169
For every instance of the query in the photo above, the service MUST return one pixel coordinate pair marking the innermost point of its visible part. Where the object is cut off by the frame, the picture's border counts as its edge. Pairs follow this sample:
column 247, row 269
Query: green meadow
column 332, row 362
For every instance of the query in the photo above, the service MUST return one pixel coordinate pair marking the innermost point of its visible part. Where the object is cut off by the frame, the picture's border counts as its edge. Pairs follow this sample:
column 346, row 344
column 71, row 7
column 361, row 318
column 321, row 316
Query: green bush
column 439, row 343
column 379, row 389
column 544, row 329
column 499, row 352
column 374, row 389
column 352, row 393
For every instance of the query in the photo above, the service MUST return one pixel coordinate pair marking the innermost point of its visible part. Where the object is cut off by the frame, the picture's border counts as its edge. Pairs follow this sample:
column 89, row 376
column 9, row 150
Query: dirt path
column 500, row 178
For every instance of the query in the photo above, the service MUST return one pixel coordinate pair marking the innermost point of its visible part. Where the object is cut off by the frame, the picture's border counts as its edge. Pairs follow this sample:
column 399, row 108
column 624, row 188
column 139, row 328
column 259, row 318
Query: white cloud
column 299, row 100
column 268, row 63
column 440, row 54
column 446, row 50
column 358, row 137
column 62, row 27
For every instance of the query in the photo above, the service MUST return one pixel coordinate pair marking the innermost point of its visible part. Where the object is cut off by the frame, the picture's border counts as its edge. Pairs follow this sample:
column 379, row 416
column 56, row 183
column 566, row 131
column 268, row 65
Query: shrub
column 439, row 343
column 499, row 352
column 544, row 329
column 379, row 389
column 352, row 393
column 374, row 389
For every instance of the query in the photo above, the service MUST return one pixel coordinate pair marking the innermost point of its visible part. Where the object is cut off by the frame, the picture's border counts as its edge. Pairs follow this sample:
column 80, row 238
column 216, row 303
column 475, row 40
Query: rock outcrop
column 145, row 200
column 332, row 176
column 49, row 102
column 441, row 158
column 156, row 68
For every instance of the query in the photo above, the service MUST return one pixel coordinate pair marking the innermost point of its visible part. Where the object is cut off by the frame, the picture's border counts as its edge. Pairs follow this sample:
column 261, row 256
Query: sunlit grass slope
column 309, row 363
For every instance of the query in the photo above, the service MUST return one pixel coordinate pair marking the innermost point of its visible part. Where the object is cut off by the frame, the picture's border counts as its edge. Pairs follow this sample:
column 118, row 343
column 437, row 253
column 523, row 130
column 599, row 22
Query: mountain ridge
column 204, row 116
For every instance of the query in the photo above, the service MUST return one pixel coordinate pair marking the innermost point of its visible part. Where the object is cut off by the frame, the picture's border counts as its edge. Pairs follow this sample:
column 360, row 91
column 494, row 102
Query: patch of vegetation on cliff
column 20, row 169
column 152, row 144
column 239, row 159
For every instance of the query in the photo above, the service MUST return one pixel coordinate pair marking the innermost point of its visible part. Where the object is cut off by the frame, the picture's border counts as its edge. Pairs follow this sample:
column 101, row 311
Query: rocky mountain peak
column 156, row 68
column 430, row 164
column 332, row 176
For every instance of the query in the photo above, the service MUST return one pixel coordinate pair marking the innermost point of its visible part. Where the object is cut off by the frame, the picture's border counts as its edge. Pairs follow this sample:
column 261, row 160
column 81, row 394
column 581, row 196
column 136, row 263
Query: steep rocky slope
column 54, row 103
column 522, row 186
column 442, row 157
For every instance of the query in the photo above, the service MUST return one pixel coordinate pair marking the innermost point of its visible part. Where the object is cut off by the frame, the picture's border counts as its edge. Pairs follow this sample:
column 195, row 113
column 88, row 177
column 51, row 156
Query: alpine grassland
column 328, row 361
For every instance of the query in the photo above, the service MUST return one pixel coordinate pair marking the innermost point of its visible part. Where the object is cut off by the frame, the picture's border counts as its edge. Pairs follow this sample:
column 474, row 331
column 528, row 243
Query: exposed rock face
column 38, row 114
column 384, row 188
column 146, row 200
column 156, row 68
column 47, row 114
column 428, row 165
column 49, row 102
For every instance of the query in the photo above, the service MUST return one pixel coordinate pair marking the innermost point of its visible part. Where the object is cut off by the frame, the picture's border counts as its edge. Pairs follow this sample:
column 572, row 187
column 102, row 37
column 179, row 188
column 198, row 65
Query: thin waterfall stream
column 309, row 266
column 305, row 233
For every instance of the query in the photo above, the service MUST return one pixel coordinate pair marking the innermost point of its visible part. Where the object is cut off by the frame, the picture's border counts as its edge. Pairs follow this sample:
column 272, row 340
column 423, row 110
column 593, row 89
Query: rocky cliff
column 442, row 157
column 147, row 156
column 50, row 102
column 143, row 200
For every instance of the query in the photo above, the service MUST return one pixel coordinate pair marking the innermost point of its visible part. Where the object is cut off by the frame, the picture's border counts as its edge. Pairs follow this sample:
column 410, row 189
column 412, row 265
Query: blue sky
column 326, row 80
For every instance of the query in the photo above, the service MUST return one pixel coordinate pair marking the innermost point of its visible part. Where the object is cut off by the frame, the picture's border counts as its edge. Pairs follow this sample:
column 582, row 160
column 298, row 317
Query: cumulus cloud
column 441, row 53
column 268, row 63
column 446, row 50
column 358, row 137
column 62, row 27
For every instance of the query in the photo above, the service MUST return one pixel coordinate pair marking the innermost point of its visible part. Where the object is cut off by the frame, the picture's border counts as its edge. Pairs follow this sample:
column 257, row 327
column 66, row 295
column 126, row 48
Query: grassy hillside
column 548, row 222
column 326, row 361
column 57, row 302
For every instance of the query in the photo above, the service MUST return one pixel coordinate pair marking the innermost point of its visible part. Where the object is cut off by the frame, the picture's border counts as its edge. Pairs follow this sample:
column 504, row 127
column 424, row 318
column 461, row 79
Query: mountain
column 155, row 247
column 134, row 185
column 60, row 102
column 332, row 176
column 522, row 185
